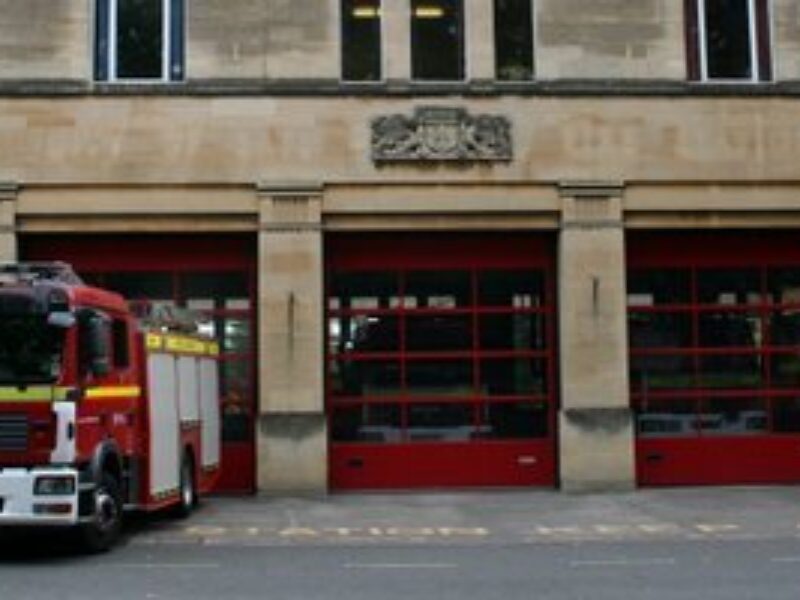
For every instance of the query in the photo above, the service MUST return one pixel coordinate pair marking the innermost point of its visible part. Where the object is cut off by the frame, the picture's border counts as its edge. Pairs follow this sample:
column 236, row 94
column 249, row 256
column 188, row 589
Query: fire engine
column 103, row 409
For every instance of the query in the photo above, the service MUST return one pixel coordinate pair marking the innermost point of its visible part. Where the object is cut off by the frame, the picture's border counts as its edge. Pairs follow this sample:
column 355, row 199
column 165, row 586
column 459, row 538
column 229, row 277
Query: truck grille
column 13, row 433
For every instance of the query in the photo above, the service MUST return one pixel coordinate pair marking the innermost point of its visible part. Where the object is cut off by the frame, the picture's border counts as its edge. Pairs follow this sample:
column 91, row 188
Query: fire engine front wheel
column 102, row 531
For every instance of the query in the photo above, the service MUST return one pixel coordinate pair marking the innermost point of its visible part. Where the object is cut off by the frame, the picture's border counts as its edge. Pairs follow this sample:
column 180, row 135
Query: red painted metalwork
column 100, row 258
column 701, row 423
column 409, row 456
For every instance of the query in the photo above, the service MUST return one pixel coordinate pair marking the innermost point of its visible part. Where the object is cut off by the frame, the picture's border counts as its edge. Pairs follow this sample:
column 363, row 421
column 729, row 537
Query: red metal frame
column 176, row 255
column 408, row 463
column 698, row 457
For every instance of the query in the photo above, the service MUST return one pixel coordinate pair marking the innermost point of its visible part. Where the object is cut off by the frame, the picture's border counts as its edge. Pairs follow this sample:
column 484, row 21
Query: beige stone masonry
column 292, row 438
column 596, row 436
column 8, row 235
column 396, row 40
column 290, row 299
column 479, row 40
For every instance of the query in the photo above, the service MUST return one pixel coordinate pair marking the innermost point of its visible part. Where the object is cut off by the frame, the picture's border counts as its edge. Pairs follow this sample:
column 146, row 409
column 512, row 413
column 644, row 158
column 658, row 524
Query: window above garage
column 139, row 40
column 729, row 40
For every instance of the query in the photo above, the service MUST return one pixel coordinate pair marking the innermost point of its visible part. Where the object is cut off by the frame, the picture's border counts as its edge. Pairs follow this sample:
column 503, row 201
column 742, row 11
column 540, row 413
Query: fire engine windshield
column 30, row 349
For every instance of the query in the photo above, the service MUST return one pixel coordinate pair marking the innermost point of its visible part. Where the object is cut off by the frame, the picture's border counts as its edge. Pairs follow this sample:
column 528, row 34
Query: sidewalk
column 486, row 517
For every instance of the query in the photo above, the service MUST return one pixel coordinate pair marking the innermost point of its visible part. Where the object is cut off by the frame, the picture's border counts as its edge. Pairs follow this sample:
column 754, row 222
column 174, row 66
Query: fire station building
column 442, row 243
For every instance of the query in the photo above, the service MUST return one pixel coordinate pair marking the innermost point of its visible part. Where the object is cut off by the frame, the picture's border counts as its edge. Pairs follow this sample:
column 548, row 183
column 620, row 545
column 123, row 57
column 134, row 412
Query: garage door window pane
column 366, row 423
column 511, row 289
column 438, row 289
column 439, row 378
column 514, row 376
column 438, row 333
column 731, row 371
column 364, row 333
column 732, row 416
column 667, row 418
column 655, row 287
column 360, row 378
column 363, row 290
column 730, row 329
column 441, row 422
column 659, row 330
column 661, row 372
column 511, row 421
column 513, row 332
column 729, row 286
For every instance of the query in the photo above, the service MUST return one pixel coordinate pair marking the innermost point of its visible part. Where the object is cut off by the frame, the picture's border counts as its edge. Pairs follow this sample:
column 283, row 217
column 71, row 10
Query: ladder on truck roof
column 33, row 272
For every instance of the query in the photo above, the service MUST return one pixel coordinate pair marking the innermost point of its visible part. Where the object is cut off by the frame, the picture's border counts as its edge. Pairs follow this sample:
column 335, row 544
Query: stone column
column 396, row 18
column 8, row 234
column 479, row 40
column 292, row 432
column 596, row 426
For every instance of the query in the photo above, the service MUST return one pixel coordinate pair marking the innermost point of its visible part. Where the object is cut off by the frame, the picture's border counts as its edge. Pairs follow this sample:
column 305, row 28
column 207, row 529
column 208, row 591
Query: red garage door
column 213, row 275
column 441, row 366
column 714, row 327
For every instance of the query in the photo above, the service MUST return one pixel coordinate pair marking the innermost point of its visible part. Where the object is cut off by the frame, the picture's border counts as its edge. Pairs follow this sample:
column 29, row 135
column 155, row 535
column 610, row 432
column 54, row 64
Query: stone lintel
column 277, row 190
column 591, row 190
column 8, row 191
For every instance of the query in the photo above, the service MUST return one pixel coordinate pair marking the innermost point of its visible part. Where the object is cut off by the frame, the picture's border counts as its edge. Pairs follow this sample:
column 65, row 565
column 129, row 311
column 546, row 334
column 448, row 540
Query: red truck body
column 100, row 411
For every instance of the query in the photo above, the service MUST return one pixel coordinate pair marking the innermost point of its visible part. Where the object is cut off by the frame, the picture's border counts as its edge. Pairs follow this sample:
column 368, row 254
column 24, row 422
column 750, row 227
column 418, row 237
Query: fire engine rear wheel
column 188, row 490
column 102, row 531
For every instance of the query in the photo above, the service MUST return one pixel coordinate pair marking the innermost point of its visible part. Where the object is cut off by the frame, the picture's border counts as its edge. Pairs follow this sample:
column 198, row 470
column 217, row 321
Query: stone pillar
column 397, row 40
column 479, row 40
column 8, row 234
column 596, row 425
column 292, row 432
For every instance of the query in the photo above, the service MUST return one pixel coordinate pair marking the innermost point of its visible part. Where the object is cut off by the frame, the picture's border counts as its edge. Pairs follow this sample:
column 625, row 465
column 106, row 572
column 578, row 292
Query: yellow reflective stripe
column 121, row 391
column 188, row 345
column 37, row 393
column 180, row 344
column 153, row 341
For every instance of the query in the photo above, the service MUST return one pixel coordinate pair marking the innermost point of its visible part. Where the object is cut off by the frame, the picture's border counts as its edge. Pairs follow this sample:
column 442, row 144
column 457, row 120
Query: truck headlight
column 54, row 485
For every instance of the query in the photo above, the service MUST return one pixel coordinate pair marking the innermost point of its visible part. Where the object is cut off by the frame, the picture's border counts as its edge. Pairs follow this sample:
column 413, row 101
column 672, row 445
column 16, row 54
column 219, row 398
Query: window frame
column 760, row 34
column 173, row 48
column 381, row 47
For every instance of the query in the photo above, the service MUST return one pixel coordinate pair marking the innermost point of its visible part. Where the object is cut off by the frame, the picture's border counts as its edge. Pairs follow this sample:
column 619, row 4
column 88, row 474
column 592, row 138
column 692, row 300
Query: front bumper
column 20, row 506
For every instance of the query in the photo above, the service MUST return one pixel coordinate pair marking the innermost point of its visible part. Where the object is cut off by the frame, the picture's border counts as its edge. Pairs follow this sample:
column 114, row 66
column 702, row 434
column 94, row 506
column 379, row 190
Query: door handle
column 654, row 458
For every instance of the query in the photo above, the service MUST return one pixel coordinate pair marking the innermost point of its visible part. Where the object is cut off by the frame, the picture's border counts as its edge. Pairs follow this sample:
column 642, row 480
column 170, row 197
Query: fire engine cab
column 101, row 410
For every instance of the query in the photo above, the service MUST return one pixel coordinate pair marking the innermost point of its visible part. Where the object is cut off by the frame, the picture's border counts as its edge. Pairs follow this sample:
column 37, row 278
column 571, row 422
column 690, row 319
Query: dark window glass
column 360, row 378
column 236, row 400
column 731, row 371
column 518, row 289
column 513, row 376
column 517, row 420
column 119, row 338
column 786, row 415
column 730, row 329
column 728, row 44
column 732, row 416
column 140, row 39
column 437, row 40
column 513, row 34
column 785, row 327
column 438, row 333
column 441, row 422
column 659, row 330
column 439, row 378
column 361, row 40
column 661, row 372
column 675, row 417
column 785, row 369
column 513, row 332
column 141, row 286
column 438, row 289
column 654, row 287
column 784, row 285
column 366, row 423
column 729, row 286
column 362, row 333
column 363, row 290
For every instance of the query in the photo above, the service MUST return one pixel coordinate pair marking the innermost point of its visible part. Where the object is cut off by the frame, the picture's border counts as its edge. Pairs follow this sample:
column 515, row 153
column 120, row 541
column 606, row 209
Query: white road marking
column 786, row 559
column 400, row 566
column 623, row 562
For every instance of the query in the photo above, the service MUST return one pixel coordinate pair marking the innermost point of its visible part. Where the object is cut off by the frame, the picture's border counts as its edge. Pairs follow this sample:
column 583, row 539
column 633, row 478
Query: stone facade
column 292, row 166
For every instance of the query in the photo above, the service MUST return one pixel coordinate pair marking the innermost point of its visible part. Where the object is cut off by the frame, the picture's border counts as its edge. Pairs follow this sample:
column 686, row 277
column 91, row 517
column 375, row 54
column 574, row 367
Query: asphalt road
column 735, row 544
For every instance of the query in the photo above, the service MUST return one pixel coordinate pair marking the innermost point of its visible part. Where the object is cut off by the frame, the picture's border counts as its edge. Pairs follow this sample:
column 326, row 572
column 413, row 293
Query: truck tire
column 102, row 532
column 188, row 489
